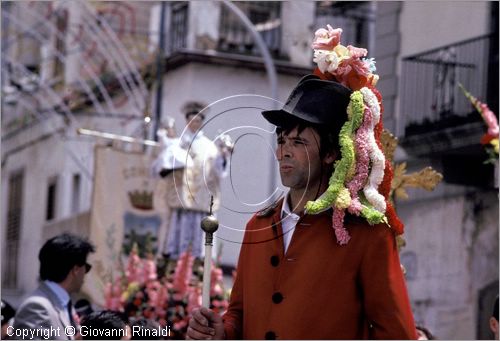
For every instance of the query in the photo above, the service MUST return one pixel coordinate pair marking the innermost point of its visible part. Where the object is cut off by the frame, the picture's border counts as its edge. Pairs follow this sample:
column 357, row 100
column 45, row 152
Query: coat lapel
column 60, row 310
column 278, row 229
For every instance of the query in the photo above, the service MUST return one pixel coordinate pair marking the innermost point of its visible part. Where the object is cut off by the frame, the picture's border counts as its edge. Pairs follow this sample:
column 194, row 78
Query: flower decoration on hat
column 346, row 65
column 361, row 180
column 490, row 138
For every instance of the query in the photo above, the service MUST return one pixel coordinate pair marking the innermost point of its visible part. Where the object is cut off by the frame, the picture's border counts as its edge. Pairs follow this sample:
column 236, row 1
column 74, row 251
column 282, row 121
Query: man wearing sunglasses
column 63, row 266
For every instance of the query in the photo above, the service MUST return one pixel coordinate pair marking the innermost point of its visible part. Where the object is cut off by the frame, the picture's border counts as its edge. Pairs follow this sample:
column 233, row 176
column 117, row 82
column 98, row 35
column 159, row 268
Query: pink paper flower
column 183, row 273
column 353, row 73
column 194, row 299
column 326, row 39
column 490, row 119
column 216, row 281
column 133, row 271
column 363, row 162
column 357, row 52
column 149, row 269
column 338, row 225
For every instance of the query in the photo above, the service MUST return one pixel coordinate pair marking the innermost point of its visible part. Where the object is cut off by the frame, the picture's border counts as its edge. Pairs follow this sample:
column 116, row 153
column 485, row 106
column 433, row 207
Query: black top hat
column 316, row 101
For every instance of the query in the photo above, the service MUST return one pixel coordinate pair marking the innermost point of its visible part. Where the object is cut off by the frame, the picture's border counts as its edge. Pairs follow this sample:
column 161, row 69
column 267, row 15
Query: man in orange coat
column 294, row 278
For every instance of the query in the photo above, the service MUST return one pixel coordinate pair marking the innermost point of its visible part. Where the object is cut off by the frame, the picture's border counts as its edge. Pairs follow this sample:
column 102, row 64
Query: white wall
column 296, row 39
column 425, row 25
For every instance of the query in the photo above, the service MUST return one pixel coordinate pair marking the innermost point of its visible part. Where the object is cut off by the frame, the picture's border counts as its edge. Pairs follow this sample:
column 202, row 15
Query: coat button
column 275, row 260
column 270, row 335
column 277, row 297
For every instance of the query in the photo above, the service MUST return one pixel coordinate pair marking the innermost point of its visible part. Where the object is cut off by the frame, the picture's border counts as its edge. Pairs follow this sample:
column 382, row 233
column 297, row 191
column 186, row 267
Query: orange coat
column 319, row 289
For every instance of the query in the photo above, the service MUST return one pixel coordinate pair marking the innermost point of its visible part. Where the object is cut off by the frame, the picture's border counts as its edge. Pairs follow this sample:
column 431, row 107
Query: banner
column 127, row 208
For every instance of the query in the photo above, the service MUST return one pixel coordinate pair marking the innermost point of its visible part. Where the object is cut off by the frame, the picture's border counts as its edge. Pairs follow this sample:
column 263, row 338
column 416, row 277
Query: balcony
column 235, row 37
column 267, row 17
column 438, row 121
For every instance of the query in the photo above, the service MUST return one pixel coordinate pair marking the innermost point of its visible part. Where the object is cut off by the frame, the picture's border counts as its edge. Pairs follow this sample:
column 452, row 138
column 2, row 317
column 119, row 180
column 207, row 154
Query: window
column 51, row 199
column 61, row 24
column 178, row 25
column 76, row 189
column 14, row 215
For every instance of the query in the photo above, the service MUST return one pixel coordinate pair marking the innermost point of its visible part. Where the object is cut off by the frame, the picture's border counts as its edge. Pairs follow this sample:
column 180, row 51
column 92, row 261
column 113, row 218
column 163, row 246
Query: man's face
column 194, row 122
column 299, row 159
column 4, row 331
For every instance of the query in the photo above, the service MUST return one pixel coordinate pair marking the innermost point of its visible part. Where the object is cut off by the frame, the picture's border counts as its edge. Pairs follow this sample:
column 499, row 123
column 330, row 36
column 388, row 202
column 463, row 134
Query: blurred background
column 124, row 67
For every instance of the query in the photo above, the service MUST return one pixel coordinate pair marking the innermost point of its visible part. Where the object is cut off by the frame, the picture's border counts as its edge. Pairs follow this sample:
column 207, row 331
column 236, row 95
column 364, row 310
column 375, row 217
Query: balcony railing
column 430, row 92
column 234, row 37
column 178, row 25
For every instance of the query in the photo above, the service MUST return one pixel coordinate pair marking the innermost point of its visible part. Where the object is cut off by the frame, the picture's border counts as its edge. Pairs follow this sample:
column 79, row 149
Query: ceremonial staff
column 209, row 224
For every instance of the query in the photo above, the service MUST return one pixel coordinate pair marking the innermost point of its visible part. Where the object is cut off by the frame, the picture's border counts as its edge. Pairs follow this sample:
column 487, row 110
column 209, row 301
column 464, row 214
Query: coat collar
column 271, row 210
column 61, row 310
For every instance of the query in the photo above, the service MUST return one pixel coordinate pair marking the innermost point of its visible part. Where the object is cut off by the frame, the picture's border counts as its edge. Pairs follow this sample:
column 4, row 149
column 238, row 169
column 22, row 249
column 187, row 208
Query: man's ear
column 75, row 269
column 493, row 324
column 330, row 157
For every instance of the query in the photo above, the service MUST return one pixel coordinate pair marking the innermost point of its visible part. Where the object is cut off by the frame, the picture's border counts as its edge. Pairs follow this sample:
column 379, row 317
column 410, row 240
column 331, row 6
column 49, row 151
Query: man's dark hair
column 426, row 332
column 328, row 139
column 193, row 108
column 7, row 312
column 495, row 309
column 60, row 254
column 145, row 323
column 113, row 321
column 83, row 307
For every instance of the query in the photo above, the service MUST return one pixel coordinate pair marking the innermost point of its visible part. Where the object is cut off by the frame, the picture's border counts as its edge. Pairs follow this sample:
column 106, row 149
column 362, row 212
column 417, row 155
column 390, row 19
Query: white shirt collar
column 61, row 293
column 288, row 222
column 285, row 209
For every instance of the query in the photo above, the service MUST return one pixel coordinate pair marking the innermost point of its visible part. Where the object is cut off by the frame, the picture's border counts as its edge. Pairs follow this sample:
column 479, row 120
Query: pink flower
column 194, row 298
column 149, row 269
column 490, row 119
column 183, row 273
column 357, row 52
column 133, row 271
column 342, row 236
column 216, row 281
column 338, row 225
column 162, row 296
column 353, row 73
column 179, row 325
column 326, row 39
column 363, row 162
